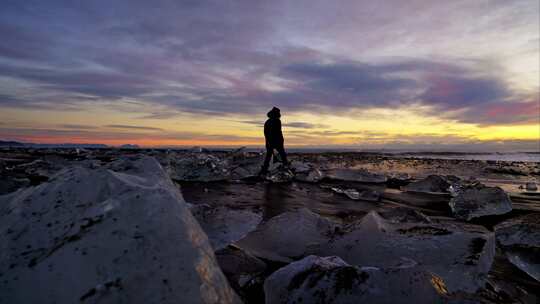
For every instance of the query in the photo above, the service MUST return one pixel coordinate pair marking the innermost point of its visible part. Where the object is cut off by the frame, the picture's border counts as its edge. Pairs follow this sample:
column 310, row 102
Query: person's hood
column 274, row 113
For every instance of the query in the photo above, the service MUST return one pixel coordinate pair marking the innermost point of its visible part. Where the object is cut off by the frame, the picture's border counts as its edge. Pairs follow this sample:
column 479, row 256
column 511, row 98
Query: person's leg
column 267, row 157
column 283, row 155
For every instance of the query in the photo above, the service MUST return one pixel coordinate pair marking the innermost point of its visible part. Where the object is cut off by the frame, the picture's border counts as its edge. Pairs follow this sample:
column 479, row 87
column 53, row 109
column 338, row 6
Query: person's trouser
column 270, row 153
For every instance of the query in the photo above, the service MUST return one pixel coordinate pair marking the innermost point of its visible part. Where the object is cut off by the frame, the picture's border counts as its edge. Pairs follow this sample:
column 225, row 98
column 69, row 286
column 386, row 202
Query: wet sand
column 272, row 199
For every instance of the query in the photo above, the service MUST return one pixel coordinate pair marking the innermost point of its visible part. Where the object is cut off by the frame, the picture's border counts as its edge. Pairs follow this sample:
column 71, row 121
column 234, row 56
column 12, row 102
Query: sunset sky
column 360, row 74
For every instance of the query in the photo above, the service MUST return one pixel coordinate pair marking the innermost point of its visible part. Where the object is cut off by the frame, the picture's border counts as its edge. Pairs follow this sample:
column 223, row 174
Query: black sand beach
column 341, row 204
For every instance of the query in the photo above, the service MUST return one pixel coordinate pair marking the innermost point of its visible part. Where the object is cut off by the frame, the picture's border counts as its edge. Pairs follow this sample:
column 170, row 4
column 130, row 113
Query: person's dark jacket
column 272, row 129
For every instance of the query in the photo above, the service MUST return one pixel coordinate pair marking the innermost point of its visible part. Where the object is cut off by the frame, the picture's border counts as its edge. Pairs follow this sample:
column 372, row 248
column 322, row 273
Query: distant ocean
column 515, row 156
column 497, row 156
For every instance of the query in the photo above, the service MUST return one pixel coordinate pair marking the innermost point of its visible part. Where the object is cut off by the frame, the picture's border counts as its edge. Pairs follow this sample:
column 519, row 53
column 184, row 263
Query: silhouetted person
column 274, row 138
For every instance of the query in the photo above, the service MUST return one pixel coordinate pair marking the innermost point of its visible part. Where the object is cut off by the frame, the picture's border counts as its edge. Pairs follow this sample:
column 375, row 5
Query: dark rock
column 531, row 187
column 288, row 236
column 520, row 239
column 331, row 280
column 223, row 225
column 430, row 184
column 364, row 195
column 350, row 193
column 460, row 254
column 198, row 210
column 526, row 259
column 300, row 167
column 200, row 167
column 509, row 170
column 280, row 174
column 312, row 176
column 370, row 195
column 478, row 200
column 239, row 173
column 396, row 180
column 10, row 184
column 101, row 235
column 237, row 263
column 244, row 165
column 244, row 271
column 306, row 172
column 40, row 168
column 519, row 231
column 355, row 175
column 404, row 215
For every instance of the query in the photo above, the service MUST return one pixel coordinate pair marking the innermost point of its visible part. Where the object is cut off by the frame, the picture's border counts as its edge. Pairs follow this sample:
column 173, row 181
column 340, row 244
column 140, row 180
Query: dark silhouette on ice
column 274, row 138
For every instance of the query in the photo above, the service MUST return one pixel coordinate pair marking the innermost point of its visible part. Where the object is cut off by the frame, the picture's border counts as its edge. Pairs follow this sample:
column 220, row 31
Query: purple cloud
column 243, row 57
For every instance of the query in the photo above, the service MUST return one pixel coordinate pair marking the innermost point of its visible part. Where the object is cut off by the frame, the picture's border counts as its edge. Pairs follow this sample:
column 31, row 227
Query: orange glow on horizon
column 143, row 142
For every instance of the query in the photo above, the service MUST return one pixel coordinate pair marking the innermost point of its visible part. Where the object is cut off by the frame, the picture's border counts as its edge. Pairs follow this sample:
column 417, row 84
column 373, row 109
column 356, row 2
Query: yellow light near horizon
column 348, row 128
column 510, row 132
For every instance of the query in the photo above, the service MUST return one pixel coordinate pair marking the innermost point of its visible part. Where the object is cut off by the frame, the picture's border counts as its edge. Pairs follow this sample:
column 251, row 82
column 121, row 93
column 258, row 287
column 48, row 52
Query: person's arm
column 266, row 130
column 278, row 127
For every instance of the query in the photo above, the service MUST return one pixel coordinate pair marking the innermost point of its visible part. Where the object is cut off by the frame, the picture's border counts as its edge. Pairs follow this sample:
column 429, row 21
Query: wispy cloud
column 160, row 115
column 222, row 59
column 294, row 124
column 121, row 136
column 133, row 127
column 77, row 127
column 305, row 125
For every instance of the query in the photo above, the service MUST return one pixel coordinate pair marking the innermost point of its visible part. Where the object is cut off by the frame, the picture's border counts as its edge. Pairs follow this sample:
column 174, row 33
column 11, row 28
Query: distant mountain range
column 34, row 145
column 14, row 144
column 10, row 144
column 129, row 146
